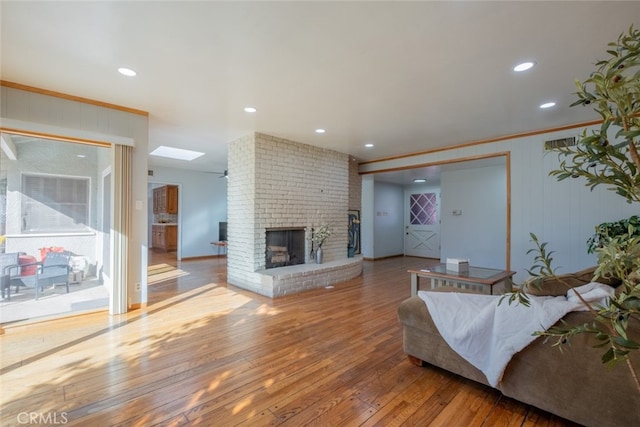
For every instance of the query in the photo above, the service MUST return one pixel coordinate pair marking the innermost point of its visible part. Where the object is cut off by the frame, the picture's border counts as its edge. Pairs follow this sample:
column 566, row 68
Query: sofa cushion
column 554, row 286
column 587, row 275
column 559, row 285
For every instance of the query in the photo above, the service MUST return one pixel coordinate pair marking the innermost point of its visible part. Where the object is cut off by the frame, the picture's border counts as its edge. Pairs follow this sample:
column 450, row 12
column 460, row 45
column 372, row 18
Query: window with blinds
column 54, row 204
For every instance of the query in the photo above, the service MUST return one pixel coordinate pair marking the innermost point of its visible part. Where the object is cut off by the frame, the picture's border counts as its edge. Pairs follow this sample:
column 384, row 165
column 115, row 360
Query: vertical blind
column 121, row 226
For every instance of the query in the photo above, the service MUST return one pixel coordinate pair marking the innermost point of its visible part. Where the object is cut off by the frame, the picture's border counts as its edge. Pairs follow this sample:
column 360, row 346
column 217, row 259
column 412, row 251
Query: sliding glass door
column 54, row 199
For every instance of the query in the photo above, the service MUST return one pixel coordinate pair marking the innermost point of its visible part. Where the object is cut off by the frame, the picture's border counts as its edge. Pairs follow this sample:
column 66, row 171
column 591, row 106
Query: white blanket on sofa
column 487, row 335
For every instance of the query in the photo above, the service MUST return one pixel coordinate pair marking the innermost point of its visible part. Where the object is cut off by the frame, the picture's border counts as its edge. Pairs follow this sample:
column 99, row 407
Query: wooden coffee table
column 477, row 278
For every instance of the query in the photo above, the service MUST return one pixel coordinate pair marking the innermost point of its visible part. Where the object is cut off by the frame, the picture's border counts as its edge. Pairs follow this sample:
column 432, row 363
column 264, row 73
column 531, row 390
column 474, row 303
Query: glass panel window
column 423, row 209
column 54, row 204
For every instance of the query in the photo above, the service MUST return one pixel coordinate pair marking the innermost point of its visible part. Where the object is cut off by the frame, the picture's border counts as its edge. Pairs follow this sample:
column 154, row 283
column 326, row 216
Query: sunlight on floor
column 148, row 334
column 216, row 383
column 242, row 404
column 264, row 309
column 160, row 272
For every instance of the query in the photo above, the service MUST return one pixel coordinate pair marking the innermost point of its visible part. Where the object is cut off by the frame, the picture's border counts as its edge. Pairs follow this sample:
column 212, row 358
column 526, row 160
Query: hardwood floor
column 205, row 353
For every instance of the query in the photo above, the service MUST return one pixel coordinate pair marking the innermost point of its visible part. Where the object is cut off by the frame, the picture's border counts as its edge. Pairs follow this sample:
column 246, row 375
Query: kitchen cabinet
column 165, row 199
column 164, row 236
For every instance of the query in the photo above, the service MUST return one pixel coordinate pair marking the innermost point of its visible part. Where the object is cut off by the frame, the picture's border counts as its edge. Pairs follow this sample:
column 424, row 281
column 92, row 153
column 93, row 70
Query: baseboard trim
column 192, row 258
column 57, row 316
column 383, row 257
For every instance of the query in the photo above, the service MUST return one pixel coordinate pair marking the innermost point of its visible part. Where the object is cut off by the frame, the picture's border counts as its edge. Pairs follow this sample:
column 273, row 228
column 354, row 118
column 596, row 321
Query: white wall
column 202, row 205
column 561, row 213
column 479, row 233
column 367, row 217
column 388, row 220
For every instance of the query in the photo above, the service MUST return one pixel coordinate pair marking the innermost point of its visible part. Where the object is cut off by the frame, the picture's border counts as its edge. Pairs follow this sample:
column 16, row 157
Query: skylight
column 176, row 153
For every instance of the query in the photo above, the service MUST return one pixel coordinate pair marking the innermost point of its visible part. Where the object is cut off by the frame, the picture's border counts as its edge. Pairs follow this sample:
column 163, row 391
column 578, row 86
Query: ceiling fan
column 224, row 174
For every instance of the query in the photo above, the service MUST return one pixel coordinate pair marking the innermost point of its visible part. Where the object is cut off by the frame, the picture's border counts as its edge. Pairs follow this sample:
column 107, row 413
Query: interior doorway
column 462, row 186
column 164, row 223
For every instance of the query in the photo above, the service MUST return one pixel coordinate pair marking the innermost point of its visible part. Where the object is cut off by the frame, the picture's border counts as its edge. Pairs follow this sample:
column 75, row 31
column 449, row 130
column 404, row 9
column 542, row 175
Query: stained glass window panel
column 423, row 209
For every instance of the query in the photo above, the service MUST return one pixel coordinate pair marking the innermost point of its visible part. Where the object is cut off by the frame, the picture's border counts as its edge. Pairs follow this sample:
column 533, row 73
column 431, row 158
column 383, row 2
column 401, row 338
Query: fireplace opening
column 284, row 247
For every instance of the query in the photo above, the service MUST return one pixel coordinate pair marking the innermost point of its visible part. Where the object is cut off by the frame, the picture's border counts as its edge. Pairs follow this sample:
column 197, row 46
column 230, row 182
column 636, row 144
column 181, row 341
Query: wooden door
column 422, row 226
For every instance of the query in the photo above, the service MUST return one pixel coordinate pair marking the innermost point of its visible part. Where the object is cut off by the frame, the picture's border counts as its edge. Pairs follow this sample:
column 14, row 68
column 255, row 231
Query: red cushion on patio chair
column 28, row 270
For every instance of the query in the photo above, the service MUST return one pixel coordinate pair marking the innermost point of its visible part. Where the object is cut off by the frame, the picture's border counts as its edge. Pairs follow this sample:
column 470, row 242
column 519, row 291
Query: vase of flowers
column 318, row 237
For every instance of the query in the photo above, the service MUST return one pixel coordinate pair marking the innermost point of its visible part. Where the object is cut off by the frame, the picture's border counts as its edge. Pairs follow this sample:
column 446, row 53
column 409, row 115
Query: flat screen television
column 222, row 231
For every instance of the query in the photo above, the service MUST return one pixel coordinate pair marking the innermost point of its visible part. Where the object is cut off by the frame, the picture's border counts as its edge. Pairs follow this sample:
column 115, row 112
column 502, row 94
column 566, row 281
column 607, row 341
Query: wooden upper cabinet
column 156, row 200
column 172, row 199
column 165, row 199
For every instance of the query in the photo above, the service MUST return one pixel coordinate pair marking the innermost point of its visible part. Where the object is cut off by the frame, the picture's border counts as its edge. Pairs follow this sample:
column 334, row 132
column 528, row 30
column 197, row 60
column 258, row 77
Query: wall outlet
column 137, row 286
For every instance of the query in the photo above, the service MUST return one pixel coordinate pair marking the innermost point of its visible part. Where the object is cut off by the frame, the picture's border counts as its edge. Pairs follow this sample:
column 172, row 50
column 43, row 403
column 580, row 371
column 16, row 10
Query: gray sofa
column 573, row 384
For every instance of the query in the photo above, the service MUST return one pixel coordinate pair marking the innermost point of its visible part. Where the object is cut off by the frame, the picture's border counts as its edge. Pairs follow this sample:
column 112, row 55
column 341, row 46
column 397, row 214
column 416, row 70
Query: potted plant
column 609, row 230
column 607, row 156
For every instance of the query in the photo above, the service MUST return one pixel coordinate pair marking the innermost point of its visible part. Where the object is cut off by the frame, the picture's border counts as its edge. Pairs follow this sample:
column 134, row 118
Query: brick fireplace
column 278, row 184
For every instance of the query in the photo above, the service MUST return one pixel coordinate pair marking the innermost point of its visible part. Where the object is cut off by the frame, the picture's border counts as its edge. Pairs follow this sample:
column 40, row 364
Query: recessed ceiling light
column 81, row 156
column 320, row 131
column 126, row 72
column 368, row 145
column 548, row 105
column 176, row 153
column 524, row 66
column 419, row 180
column 250, row 109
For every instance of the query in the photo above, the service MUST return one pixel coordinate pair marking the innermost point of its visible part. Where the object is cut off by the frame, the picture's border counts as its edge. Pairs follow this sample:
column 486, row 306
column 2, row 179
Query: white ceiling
column 405, row 76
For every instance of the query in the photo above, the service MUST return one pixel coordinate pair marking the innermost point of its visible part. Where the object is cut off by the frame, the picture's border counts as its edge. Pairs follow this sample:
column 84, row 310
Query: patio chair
column 53, row 270
column 8, row 263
